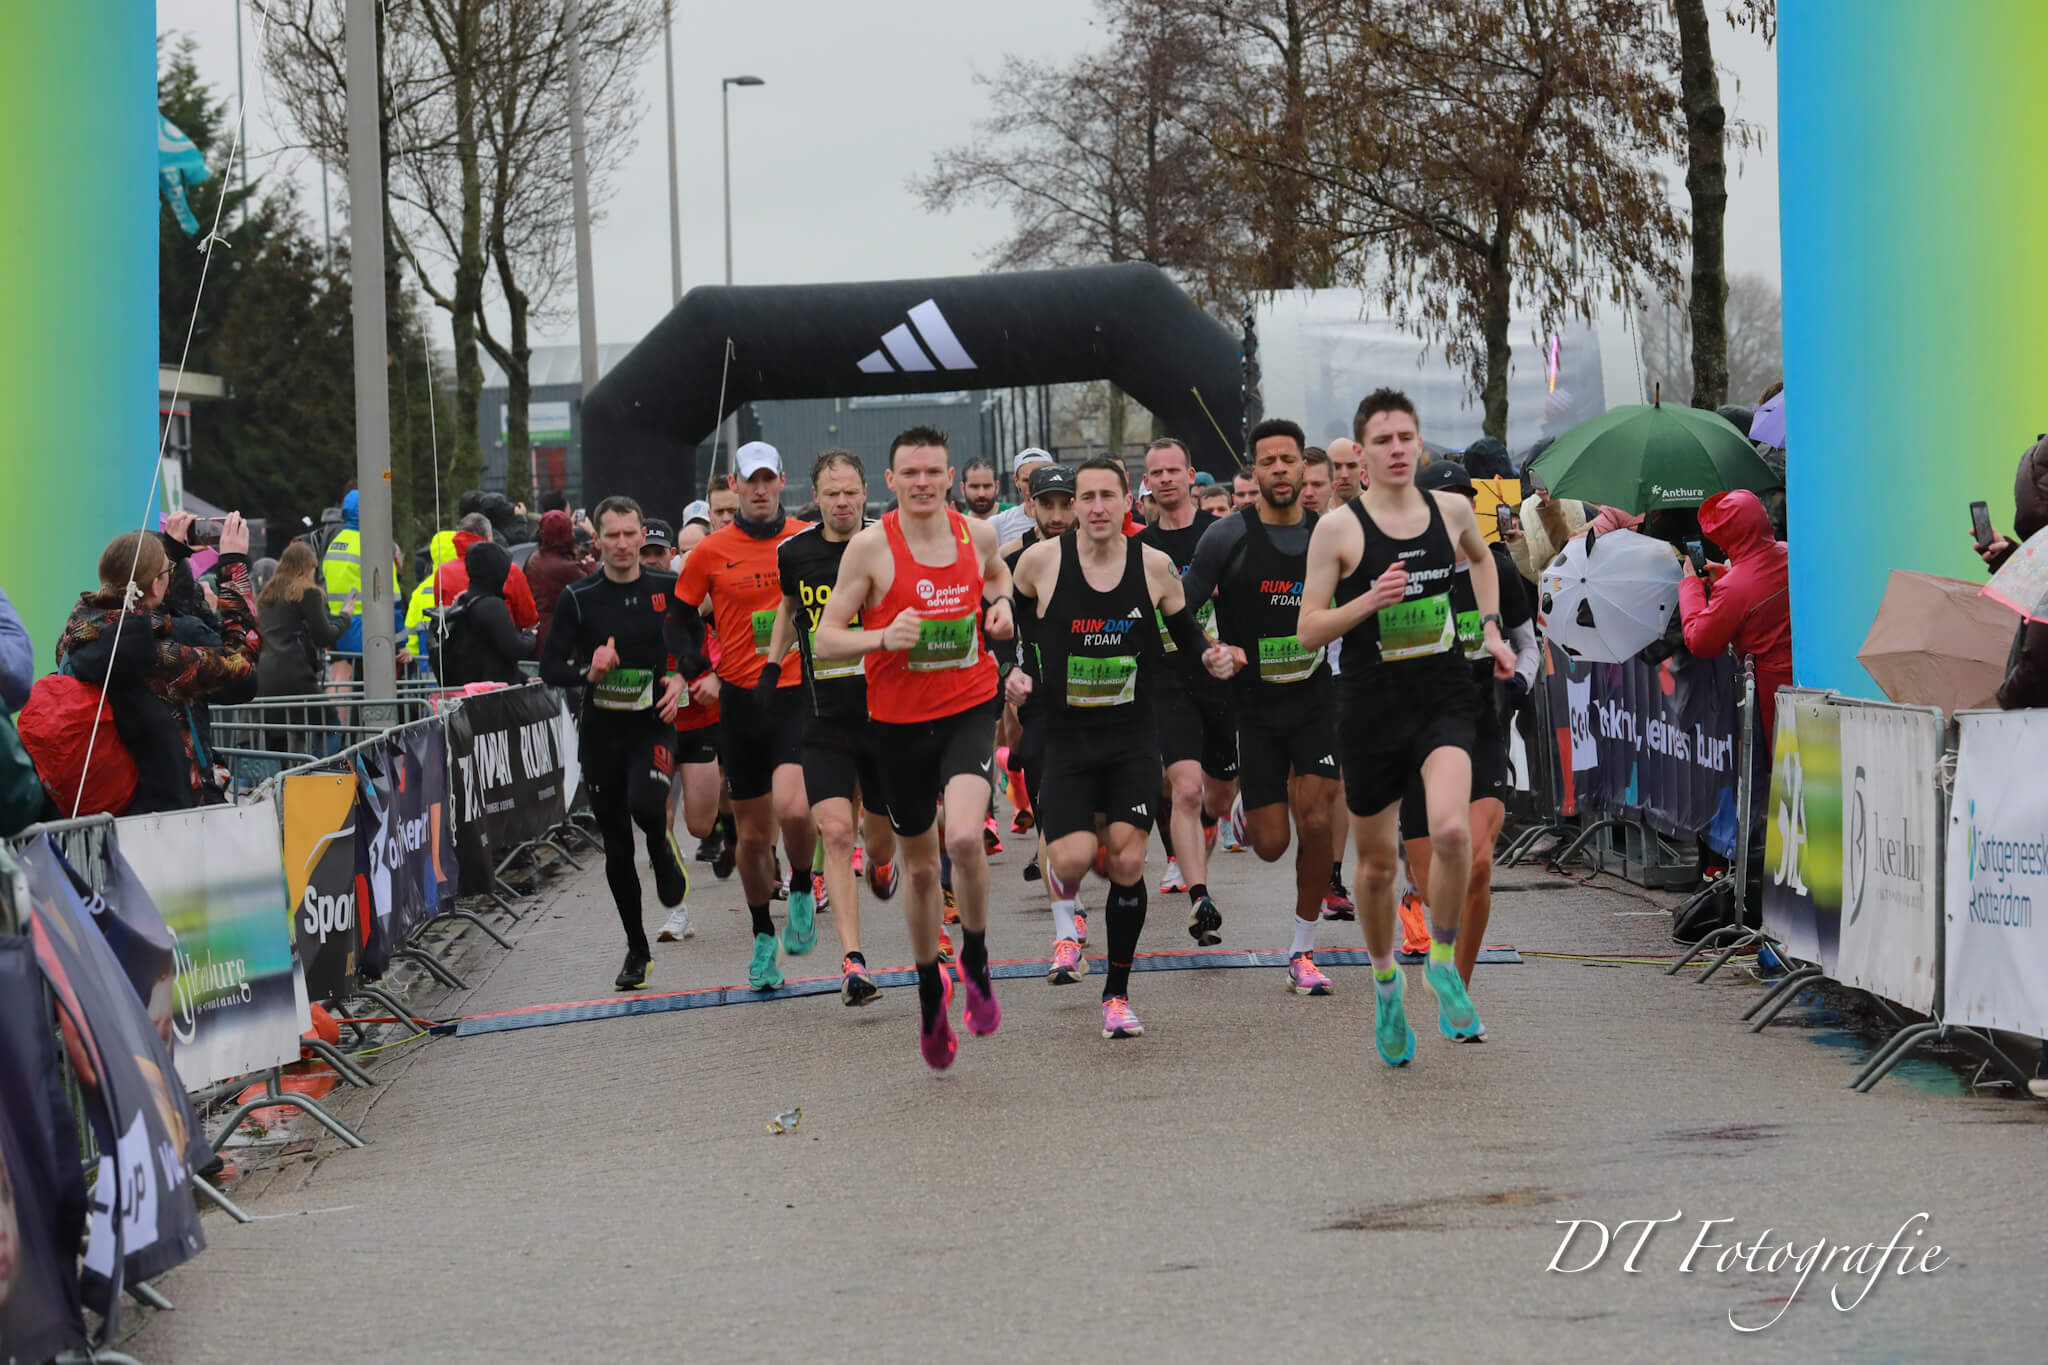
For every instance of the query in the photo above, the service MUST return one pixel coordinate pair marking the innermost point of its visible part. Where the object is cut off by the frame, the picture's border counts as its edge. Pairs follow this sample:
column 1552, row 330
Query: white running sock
column 1063, row 920
column 1304, row 936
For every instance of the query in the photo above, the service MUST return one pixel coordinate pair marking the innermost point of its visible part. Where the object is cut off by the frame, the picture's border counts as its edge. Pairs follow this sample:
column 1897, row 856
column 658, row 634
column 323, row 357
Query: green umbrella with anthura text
column 1643, row 457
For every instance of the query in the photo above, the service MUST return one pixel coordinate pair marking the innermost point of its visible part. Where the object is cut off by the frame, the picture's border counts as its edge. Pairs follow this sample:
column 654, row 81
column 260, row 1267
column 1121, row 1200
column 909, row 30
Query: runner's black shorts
column 839, row 760
column 1028, row 756
column 1195, row 723
column 915, row 761
column 1489, row 765
column 1113, row 773
column 1291, row 738
column 627, row 765
column 697, row 746
column 1398, row 715
column 756, row 737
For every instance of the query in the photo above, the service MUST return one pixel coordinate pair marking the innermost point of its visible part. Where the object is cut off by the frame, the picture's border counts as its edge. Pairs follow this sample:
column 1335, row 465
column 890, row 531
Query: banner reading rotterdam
column 1889, row 823
column 217, row 876
column 1996, row 880
column 1803, row 836
column 505, row 770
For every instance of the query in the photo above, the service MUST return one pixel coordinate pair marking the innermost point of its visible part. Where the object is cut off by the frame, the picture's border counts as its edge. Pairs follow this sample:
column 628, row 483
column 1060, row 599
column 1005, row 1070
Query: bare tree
column 1755, row 342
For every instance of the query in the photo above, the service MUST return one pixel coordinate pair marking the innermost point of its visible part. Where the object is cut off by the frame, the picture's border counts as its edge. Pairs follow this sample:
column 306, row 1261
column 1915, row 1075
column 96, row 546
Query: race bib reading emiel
column 1205, row 617
column 945, row 642
column 1283, row 659
column 1416, row 629
column 824, row 670
column 764, row 627
column 624, row 689
column 1101, row 682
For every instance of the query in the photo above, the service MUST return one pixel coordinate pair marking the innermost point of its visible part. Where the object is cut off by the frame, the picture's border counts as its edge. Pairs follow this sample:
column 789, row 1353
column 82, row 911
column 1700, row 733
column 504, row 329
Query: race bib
column 624, row 689
column 1205, row 617
column 1417, row 628
column 1101, row 682
column 824, row 670
column 1472, row 634
column 764, row 627
column 945, row 642
column 1282, row 659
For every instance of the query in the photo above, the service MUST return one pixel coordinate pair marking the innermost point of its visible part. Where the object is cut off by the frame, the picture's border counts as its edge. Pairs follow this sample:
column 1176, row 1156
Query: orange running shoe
column 951, row 914
column 945, row 946
column 1414, row 929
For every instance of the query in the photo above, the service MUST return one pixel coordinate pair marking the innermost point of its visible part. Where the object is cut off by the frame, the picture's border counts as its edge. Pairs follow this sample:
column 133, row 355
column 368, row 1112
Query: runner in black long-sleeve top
column 621, row 636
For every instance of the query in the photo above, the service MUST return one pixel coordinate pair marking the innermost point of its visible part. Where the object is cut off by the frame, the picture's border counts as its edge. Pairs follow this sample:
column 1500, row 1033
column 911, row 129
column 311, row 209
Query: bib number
column 1101, row 682
column 1472, row 635
column 943, row 643
column 825, row 670
column 1205, row 617
column 1416, row 629
column 1282, row 659
column 764, row 627
column 624, row 689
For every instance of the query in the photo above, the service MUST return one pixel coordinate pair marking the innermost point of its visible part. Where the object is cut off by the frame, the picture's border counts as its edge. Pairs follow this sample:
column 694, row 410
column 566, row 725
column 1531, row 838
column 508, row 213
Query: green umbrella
column 1645, row 456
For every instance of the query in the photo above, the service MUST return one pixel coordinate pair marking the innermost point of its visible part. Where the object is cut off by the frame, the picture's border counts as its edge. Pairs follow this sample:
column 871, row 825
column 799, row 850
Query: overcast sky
column 851, row 110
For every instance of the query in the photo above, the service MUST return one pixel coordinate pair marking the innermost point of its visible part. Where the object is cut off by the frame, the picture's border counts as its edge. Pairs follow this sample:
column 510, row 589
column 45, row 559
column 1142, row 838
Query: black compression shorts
column 839, row 761
column 1298, row 742
column 697, row 746
column 915, row 761
column 1392, row 724
column 755, row 737
column 1114, row 774
column 1489, row 769
column 1195, row 723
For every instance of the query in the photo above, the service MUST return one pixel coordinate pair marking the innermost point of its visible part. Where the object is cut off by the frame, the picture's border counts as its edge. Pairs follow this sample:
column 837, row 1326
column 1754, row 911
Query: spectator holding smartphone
column 2026, row 668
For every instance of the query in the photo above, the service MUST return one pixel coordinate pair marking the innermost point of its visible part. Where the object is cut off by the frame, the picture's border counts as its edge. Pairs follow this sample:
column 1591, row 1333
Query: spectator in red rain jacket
column 554, row 566
column 452, row 578
column 1744, row 602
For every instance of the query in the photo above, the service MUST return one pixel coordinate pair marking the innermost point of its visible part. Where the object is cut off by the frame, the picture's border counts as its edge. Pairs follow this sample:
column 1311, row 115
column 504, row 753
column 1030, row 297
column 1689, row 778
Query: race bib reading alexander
column 1416, row 629
column 944, row 642
column 1282, row 659
column 624, row 689
column 1101, row 682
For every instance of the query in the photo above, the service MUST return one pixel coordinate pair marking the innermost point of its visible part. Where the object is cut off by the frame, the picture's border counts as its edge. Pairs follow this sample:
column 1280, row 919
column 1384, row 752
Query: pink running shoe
column 1304, row 977
column 1068, row 966
column 938, row 1043
column 981, row 1013
column 1117, row 1019
column 1080, row 926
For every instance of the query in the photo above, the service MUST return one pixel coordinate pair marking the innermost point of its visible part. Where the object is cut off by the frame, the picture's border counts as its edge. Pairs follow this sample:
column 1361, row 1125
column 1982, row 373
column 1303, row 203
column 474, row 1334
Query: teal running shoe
column 1390, row 1031
column 800, row 935
column 764, row 973
column 1456, row 1018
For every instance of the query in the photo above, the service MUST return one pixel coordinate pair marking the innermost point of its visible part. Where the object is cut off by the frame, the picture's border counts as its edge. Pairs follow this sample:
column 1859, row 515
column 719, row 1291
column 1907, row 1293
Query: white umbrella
column 1604, row 598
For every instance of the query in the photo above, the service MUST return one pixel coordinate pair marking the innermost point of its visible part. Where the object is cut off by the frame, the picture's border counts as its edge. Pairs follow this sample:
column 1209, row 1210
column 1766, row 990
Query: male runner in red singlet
column 927, row 584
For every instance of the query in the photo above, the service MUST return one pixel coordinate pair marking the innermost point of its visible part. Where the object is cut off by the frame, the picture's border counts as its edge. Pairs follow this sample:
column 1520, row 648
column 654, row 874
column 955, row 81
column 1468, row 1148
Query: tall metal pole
column 732, row 423
column 579, row 172
column 241, row 115
column 675, row 212
column 373, row 399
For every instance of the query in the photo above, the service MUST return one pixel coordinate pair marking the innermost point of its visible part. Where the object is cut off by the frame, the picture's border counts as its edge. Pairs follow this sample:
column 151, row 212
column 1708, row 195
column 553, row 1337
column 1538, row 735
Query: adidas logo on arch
column 900, row 350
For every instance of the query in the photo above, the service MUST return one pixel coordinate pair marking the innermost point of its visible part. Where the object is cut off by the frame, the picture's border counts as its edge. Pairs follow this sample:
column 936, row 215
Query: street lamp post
column 732, row 429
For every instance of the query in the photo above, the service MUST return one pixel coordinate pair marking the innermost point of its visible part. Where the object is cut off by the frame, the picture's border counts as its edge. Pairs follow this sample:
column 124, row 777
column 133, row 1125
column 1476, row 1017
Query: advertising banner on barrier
column 1803, row 833
column 42, row 1191
column 238, row 1000
column 400, row 842
column 506, row 773
column 320, row 876
column 1996, row 878
column 1890, row 819
column 426, row 755
column 1654, row 739
column 149, row 1139
column 568, row 742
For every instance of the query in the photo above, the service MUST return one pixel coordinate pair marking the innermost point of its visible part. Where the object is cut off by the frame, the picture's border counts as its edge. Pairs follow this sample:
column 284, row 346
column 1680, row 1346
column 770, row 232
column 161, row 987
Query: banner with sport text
column 506, row 775
column 320, row 875
column 1803, row 831
column 1891, row 814
column 1654, row 740
column 1996, row 880
column 238, row 999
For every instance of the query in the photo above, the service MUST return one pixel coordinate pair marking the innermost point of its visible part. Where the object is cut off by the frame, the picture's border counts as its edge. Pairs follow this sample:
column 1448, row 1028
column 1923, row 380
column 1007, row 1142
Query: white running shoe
column 678, row 926
column 1172, row 881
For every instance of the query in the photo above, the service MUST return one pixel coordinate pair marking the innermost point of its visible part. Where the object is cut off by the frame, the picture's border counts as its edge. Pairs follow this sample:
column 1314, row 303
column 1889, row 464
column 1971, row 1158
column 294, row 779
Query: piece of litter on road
column 786, row 1123
column 302, row 1213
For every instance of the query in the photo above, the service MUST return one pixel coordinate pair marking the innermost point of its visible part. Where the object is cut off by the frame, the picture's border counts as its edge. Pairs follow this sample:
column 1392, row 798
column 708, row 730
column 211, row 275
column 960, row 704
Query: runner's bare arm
column 1333, row 549
column 1164, row 581
column 996, row 621
column 1464, row 529
column 859, row 585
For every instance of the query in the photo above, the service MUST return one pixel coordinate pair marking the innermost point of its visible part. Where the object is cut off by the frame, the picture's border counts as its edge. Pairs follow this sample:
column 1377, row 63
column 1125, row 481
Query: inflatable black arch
column 1126, row 323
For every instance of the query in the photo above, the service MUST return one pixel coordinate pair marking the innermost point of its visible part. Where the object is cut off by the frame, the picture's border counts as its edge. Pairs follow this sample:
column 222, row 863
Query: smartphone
column 1980, row 525
column 205, row 531
column 1505, row 520
column 1697, row 553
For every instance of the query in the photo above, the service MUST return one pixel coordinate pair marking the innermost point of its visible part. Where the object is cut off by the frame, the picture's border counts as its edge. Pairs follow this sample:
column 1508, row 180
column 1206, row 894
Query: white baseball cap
column 755, row 456
column 699, row 510
column 1029, row 456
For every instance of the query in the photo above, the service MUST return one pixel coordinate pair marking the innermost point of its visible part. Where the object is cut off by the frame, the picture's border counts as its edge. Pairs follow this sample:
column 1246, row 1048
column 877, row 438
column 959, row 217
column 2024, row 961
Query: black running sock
column 945, row 869
column 1125, row 910
column 727, row 828
column 931, row 991
column 974, row 954
column 1209, row 821
column 1337, row 875
column 1165, row 828
column 763, row 924
column 1198, row 893
column 856, row 957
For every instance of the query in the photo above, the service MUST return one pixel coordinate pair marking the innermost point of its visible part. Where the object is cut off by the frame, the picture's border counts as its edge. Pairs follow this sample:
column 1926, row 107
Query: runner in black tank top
column 1255, row 561
column 1098, row 652
column 1052, row 515
column 1387, row 572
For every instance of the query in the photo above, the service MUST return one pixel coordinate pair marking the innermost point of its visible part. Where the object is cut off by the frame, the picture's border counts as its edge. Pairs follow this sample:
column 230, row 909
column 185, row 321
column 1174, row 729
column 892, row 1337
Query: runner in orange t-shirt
column 760, row 731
